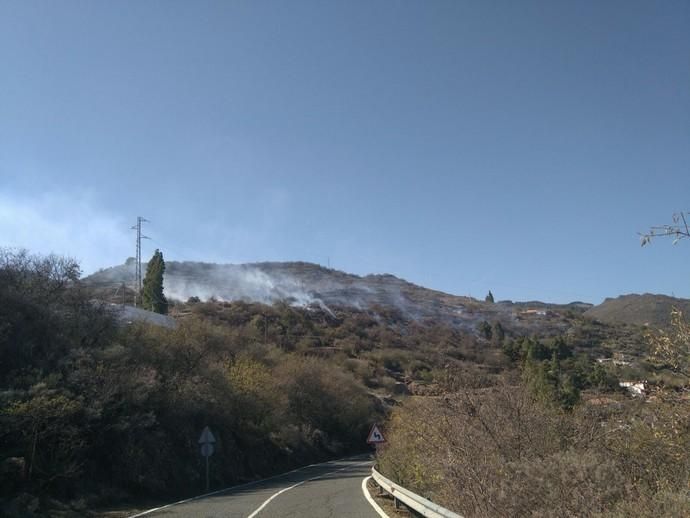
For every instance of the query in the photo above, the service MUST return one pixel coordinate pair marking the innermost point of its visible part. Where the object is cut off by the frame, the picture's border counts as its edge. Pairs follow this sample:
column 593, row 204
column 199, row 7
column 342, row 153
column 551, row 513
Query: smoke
column 300, row 284
column 236, row 282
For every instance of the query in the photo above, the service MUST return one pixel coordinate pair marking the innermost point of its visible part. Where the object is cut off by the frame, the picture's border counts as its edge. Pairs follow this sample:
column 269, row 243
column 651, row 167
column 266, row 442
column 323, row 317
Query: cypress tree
column 152, row 291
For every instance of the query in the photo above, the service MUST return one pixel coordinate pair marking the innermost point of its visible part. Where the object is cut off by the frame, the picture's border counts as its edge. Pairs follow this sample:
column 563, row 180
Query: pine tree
column 152, row 292
column 489, row 298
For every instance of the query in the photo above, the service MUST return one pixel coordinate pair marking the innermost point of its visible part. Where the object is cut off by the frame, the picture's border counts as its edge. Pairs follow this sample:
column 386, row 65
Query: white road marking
column 272, row 497
column 231, row 488
column 373, row 503
column 300, row 483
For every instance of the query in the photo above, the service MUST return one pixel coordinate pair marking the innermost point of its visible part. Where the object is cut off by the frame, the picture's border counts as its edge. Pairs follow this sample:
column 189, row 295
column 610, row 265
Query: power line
column 137, row 280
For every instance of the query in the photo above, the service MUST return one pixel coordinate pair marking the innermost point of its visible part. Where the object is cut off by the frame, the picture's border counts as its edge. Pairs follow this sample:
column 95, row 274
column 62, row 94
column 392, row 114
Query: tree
column 549, row 383
column 489, row 298
column 152, row 293
column 561, row 348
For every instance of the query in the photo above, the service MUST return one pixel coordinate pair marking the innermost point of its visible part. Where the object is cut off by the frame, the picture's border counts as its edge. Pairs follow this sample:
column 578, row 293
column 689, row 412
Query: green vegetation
column 152, row 292
column 489, row 298
column 554, row 373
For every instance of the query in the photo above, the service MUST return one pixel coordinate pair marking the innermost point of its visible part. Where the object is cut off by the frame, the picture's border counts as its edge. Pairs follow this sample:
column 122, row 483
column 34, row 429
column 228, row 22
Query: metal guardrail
column 415, row 502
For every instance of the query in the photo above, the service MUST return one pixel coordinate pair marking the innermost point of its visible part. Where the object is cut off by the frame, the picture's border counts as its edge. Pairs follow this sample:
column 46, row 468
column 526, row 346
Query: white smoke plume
column 235, row 282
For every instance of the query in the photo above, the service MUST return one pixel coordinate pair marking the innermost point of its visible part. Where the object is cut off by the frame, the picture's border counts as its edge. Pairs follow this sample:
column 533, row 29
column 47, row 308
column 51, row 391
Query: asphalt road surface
column 329, row 490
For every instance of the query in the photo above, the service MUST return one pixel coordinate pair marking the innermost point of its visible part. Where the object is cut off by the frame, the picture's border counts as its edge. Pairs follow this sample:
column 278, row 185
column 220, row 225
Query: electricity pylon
column 137, row 274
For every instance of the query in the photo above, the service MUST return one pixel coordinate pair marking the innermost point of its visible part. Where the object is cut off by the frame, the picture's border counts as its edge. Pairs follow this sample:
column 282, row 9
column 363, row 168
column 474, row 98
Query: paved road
column 328, row 490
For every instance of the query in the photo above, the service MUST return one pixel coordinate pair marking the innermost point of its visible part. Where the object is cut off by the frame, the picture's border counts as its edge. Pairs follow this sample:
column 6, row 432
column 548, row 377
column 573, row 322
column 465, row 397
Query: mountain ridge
column 638, row 309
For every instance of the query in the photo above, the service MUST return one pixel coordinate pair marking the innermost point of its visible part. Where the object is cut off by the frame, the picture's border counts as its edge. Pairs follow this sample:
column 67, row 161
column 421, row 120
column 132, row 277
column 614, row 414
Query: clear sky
column 517, row 146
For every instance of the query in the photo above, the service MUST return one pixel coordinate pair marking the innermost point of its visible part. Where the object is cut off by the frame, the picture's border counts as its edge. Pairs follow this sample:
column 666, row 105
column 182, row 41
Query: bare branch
column 678, row 230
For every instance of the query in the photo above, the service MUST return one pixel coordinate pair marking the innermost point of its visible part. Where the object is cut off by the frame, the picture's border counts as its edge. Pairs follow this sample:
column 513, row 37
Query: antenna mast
column 137, row 274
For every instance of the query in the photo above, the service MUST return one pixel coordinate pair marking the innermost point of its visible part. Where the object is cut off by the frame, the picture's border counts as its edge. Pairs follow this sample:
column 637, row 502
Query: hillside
column 309, row 285
column 647, row 310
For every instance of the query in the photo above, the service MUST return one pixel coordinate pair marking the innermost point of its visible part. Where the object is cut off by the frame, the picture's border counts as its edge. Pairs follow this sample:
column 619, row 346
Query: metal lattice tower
column 137, row 274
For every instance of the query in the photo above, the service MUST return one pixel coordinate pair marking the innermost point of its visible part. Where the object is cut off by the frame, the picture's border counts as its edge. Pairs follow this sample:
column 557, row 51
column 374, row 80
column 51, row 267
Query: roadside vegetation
column 553, row 437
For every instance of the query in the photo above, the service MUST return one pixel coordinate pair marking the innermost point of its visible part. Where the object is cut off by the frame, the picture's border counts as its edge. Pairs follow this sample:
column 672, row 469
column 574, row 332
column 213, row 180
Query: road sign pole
column 206, row 441
column 207, row 483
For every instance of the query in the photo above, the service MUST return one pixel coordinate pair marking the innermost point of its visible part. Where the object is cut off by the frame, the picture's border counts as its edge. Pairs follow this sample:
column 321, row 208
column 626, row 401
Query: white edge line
column 369, row 498
column 231, row 488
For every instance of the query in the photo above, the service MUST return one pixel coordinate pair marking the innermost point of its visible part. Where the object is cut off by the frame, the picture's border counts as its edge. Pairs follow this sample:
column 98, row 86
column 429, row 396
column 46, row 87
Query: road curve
column 329, row 490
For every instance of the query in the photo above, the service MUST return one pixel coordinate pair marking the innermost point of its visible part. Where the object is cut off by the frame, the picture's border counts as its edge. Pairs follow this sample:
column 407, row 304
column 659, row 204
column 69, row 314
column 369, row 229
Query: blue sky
column 464, row 146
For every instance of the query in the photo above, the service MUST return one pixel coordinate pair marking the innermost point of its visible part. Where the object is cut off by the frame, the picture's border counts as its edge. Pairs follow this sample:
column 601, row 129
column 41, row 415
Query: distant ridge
column 646, row 309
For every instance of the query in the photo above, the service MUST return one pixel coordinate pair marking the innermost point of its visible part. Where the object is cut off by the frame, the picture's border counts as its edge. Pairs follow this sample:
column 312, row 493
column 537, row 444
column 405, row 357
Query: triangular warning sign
column 375, row 436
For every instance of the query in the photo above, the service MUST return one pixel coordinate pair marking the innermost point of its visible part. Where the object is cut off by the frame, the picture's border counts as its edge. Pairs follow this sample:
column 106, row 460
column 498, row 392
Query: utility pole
column 137, row 274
